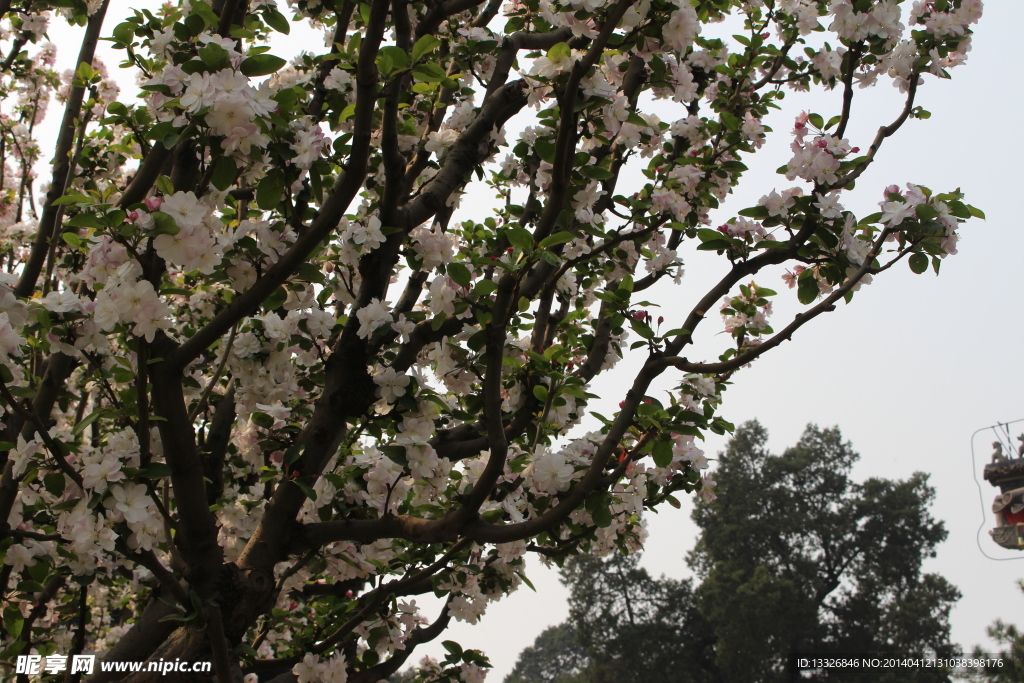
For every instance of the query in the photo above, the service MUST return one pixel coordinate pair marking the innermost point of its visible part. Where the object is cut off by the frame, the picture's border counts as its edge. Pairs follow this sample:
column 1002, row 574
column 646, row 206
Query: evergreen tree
column 794, row 557
column 624, row 626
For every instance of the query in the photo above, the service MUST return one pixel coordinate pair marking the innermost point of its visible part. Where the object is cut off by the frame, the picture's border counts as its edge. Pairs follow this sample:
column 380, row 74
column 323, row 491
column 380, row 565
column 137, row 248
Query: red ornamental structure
column 1008, row 475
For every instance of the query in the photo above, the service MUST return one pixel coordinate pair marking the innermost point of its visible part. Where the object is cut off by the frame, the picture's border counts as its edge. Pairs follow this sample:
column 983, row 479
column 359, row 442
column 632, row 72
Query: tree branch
column 801, row 319
column 331, row 212
column 883, row 133
column 61, row 161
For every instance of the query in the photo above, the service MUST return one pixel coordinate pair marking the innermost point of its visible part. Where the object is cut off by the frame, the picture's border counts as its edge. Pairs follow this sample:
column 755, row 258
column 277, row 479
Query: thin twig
column 216, row 377
column 29, row 415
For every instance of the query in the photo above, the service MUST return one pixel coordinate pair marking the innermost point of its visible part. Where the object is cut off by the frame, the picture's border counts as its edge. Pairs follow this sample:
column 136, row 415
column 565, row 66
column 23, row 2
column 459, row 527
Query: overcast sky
column 908, row 371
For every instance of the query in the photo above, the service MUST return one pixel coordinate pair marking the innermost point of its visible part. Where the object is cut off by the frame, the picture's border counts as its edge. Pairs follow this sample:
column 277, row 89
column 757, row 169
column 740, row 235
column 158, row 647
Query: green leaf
column 72, row 199
column 72, row 239
column 54, row 483
column 224, row 172
column 596, row 172
column 13, row 622
column 559, row 51
column 85, row 71
column 485, row 288
column 310, row 493
column 424, row 88
column 83, row 220
column 976, row 212
column 423, row 46
column 262, row 420
column 165, row 223
column 540, row 392
column 392, row 58
column 276, row 299
column 756, row 212
column 429, row 73
column 203, row 10
column 347, row 113
column 816, row 121
column 714, row 245
column 459, row 273
column 164, row 184
column 396, row 454
column 310, row 273
column 261, row 65
column 641, row 328
column 919, row 263
column 551, row 257
column 636, row 120
column 519, row 236
column 214, row 56
column 558, row 238
column 545, row 150
column 155, row 470
column 277, row 21
column 662, row 453
column 602, row 517
column 807, row 290
column 270, row 191
column 926, row 212
column 89, row 419
column 287, row 99
column 124, row 32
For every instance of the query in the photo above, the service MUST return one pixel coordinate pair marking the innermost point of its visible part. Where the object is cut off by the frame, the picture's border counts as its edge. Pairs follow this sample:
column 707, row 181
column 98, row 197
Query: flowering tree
column 260, row 390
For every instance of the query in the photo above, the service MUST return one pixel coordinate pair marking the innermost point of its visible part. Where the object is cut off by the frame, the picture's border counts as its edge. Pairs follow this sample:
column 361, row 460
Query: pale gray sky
column 908, row 371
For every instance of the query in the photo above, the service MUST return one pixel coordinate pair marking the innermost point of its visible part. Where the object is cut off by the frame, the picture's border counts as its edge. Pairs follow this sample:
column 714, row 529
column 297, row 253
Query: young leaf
column 270, row 191
column 662, row 453
column 261, row 65
column 277, row 21
column 557, row 238
column 459, row 273
column 424, row 45
column 919, row 263
column 165, row 223
column 224, row 172
column 214, row 56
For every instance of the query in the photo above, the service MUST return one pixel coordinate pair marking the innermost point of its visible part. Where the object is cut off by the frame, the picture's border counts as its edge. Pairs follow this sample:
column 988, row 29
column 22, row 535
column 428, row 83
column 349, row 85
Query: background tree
column 1011, row 642
column 623, row 625
column 260, row 389
column 556, row 656
column 793, row 556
